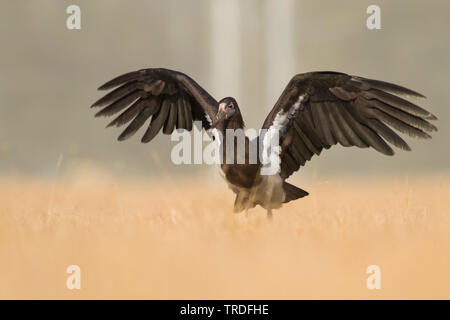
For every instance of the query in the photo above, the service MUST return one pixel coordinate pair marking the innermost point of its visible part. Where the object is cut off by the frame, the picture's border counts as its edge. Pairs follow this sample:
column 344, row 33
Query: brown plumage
column 315, row 111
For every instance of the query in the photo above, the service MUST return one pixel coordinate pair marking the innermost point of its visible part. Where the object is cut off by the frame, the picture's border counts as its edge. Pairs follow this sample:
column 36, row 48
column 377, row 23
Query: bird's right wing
column 171, row 98
column 320, row 109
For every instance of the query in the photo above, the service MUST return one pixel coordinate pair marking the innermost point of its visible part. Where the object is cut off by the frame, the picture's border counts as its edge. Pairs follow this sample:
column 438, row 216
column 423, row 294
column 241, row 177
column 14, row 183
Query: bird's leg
column 250, row 200
column 269, row 213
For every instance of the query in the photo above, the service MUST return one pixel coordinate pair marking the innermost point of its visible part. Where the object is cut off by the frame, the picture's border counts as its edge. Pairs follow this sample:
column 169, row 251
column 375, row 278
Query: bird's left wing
column 171, row 98
column 320, row 109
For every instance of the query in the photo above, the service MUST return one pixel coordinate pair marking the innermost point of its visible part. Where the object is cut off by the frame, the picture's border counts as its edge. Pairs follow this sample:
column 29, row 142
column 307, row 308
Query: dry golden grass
column 143, row 240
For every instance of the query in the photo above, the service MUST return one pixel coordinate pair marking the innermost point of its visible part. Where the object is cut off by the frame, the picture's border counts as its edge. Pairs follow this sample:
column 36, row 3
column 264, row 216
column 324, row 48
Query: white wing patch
column 208, row 118
column 296, row 105
column 271, row 143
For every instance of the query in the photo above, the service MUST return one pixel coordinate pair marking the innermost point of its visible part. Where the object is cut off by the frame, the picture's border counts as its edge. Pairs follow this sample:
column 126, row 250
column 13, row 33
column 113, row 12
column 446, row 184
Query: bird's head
column 228, row 111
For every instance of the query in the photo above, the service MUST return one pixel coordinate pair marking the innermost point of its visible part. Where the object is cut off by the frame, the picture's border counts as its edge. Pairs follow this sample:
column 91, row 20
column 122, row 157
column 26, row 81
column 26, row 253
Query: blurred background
column 246, row 49
column 70, row 193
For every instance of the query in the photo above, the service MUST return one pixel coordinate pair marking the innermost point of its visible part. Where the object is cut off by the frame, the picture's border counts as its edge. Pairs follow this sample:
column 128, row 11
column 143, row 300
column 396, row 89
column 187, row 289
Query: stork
column 316, row 110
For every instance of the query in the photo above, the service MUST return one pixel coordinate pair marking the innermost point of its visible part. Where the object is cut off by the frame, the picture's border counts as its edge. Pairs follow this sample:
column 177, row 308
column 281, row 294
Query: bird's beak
column 221, row 115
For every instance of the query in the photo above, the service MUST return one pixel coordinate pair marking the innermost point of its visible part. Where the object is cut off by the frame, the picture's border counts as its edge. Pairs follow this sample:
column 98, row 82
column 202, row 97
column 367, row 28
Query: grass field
column 142, row 240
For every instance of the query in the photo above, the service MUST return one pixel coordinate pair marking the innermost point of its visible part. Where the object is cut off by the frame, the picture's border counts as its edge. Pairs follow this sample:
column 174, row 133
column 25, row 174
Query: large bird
column 315, row 111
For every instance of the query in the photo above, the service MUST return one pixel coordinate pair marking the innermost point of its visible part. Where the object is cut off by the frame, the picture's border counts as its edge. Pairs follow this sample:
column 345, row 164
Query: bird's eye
column 229, row 107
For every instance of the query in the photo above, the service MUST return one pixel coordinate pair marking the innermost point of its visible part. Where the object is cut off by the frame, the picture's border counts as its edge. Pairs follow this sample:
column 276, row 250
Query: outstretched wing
column 171, row 98
column 320, row 109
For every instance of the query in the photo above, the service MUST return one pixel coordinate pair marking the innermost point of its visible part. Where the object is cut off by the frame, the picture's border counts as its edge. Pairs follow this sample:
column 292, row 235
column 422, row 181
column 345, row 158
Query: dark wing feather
column 169, row 125
column 171, row 98
column 349, row 110
column 157, row 121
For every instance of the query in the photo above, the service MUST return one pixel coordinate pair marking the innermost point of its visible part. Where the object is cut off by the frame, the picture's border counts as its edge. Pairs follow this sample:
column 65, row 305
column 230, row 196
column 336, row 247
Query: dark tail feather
column 292, row 192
